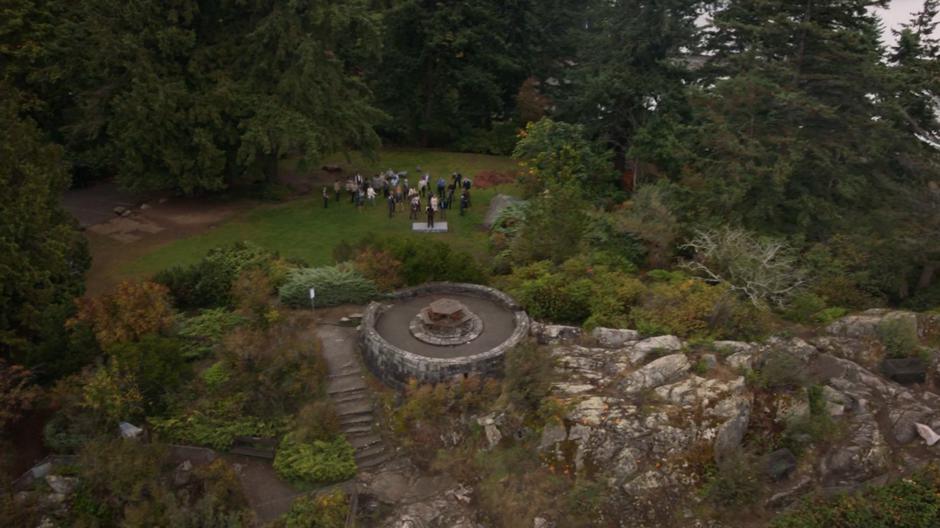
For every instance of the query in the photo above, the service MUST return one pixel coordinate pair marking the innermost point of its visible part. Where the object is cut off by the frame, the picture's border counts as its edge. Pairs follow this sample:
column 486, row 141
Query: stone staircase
column 350, row 394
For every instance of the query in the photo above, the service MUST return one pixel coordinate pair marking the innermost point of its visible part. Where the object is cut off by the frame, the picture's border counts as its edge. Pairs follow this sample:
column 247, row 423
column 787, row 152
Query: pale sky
column 897, row 13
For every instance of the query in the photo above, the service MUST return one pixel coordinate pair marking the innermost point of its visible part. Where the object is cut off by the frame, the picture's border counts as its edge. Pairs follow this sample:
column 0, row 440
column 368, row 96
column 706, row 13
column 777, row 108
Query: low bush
column 779, row 370
column 334, row 285
column 693, row 308
column 133, row 310
column 424, row 260
column 911, row 502
column 381, row 267
column 157, row 365
column 217, row 432
column 317, row 462
column 208, row 283
column 216, row 376
column 814, row 427
column 899, row 336
column 316, row 421
column 580, row 290
column 202, row 332
column 430, row 412
column 528, row 380
column 326, row 510
column 733, row 483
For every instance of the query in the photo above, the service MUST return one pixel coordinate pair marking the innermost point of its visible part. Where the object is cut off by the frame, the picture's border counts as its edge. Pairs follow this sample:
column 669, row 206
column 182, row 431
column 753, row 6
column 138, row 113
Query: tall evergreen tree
column 630, row 70
column 42, row 254
column 193, row 94
column 794, row 131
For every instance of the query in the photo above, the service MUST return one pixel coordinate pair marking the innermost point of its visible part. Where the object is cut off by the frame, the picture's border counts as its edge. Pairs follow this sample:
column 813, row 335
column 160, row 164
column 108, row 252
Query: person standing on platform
column 430, row 212
column 326, row 197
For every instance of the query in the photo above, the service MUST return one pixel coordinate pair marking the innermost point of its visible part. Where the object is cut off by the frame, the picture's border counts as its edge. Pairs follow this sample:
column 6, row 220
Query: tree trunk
column 271, row 165
column 927, row 274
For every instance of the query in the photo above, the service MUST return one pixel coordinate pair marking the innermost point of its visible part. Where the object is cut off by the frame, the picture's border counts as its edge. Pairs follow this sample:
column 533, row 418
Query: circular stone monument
column 446, row 322
column 439, row 331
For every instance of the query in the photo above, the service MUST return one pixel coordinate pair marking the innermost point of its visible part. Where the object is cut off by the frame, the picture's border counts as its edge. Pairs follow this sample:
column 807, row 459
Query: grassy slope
column 303, row 229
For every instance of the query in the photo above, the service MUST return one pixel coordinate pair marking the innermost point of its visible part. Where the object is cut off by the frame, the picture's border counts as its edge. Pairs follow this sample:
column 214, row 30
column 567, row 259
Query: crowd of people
column 432, row 198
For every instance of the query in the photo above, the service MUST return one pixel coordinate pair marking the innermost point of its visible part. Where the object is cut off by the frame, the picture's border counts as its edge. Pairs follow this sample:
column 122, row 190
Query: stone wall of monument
column 396, row 366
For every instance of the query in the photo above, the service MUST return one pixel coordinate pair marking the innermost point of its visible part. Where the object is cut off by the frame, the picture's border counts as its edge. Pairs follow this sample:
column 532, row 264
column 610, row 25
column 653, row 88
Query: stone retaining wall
column 396, row 366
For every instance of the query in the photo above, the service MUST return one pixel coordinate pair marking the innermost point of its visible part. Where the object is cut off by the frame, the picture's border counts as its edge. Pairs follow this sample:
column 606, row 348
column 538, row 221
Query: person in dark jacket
column 430, row 211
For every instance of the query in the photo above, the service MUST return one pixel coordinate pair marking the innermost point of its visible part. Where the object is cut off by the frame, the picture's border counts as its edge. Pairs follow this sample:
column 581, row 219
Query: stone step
column 362, row 454
column 357, row 429
column 345, row 384
column 345, row 372
column 356, row 419
column 354, row 407
column 372, row 461
column 351, row 396
column 364, row 442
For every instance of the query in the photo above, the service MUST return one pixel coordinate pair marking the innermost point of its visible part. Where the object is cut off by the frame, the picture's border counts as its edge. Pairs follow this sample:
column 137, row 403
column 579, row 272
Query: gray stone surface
column 731, row 433
column 396, row 366
column 866, row 323
column 549, row 334
column 422, row 227
column 656, row 373
column 498, row 204
column 613, row 337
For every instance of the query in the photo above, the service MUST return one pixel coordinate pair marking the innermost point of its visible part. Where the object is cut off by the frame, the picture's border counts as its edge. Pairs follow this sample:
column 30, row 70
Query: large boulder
column 865, row 324
column 549, row 334
column 656, row 373
column 863, row 456
column 731, row 433
column 637, row 352
column 613, row 337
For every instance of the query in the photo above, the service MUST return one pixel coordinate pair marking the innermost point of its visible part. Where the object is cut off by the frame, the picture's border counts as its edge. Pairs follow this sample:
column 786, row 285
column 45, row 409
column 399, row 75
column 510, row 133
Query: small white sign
column 313, row 293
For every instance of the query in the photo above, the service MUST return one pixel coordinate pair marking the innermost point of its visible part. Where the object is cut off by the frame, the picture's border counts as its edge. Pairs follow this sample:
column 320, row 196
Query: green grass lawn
column 303, row 229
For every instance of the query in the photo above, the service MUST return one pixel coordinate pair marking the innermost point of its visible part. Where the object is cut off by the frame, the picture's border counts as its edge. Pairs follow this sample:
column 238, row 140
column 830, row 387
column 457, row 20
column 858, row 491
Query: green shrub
column 733, row 483
column 779, row 370
column 316, row 462
column 202, row 332
column 803, row 307
column 528, row 380
column 316, row 421
column 216, row 375
column 157, row 365
column 555, row 298
column 217, row 432
column 899, row 336
column 911, row 502
column 830, row 314
column 334, row 285
column 327, row 510
column 424, row 260
column 693, row 308
column 208, row 283
column 814, row 427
